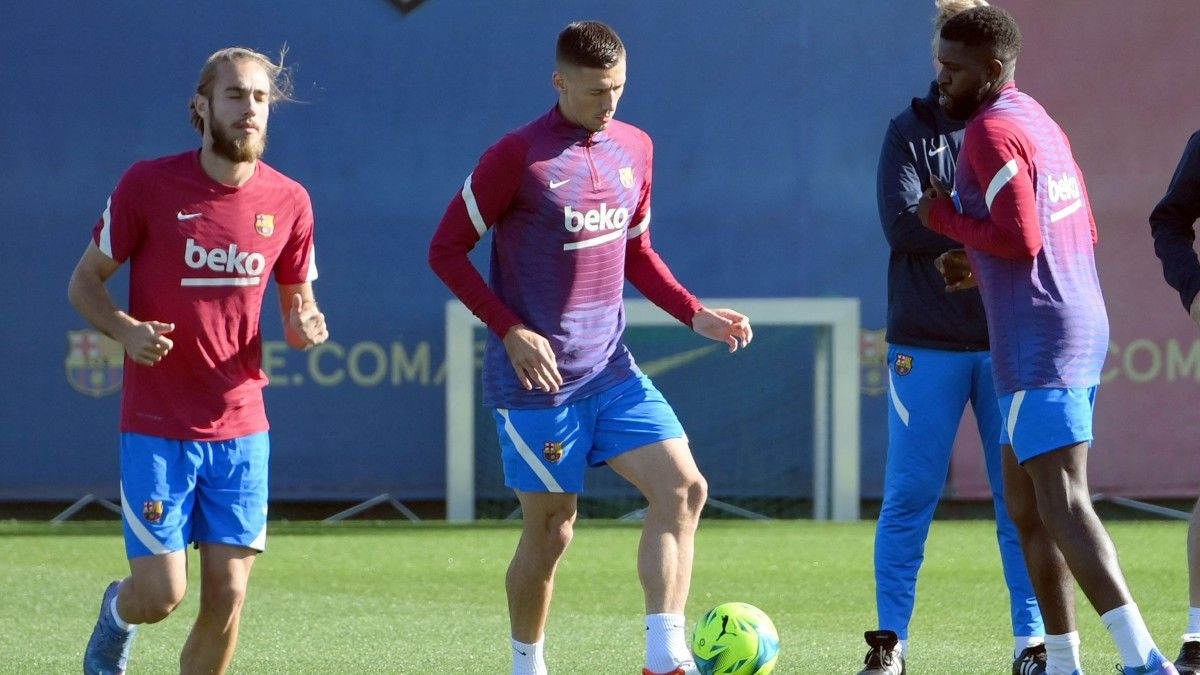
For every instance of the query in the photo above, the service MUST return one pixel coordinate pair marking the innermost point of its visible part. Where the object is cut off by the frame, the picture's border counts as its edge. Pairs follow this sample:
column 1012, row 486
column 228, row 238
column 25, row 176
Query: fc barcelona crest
column 152, row 511
column 903, row 364
column 264, row 224
column 94, row 363
column 552, row 451
column 626, row 174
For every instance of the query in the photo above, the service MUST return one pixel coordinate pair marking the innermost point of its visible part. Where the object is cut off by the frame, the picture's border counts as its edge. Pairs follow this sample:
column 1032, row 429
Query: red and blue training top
column 570, row 211
column 1023, row 214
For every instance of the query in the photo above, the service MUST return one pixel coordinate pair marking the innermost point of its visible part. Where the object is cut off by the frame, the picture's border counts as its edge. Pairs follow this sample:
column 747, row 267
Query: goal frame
column 835, row 381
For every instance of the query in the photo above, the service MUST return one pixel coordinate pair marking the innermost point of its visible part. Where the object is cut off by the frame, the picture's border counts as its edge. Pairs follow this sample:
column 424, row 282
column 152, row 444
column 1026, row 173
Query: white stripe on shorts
column 260, row 542
column 139, row 530
column 526, row 454
column 1013, row 409
column 900, row 409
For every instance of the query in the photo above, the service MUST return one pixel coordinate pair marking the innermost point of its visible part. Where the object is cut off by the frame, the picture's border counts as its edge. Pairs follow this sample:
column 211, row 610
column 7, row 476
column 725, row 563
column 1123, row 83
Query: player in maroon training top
column 568, row 199
column 1021, row 208
column 202, row 231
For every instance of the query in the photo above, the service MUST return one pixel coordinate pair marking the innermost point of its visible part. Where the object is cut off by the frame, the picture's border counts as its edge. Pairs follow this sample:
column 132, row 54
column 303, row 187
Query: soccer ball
column 735, row 639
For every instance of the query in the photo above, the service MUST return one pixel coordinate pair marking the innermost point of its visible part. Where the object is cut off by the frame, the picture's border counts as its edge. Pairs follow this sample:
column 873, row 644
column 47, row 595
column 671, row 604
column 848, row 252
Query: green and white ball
column 735, row 639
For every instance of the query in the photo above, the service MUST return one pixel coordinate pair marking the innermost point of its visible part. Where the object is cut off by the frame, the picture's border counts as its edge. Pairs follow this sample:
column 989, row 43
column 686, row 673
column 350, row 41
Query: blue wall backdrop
column 767, row 118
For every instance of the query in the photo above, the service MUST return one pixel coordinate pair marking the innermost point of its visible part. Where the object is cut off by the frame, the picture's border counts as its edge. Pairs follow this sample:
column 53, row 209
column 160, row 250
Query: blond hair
column 281, row 77
column 945, row 10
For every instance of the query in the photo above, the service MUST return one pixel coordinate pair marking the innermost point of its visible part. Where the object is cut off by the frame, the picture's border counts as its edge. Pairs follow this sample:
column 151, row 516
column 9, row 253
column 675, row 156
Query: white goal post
column 835, row 385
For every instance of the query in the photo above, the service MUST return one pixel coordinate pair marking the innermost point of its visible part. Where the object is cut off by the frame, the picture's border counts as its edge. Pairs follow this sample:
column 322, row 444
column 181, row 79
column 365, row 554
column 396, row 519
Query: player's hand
column 1195, row 309
column 146, row 342
column 307, row 321
column 532, row 359
column 943, row 191
column 723, row 325
column 955, row 268
column 936, row 191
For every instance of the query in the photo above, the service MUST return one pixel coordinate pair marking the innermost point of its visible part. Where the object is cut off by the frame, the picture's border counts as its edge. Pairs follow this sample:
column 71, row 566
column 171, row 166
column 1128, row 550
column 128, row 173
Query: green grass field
column 423, row 599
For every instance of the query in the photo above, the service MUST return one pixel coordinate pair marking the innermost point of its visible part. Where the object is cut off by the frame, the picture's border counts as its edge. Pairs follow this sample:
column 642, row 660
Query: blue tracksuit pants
column 929, row 389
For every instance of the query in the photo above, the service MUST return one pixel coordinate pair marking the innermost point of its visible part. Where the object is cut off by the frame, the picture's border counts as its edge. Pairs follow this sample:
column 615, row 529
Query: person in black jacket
column 938, row 360
column 1172, row 223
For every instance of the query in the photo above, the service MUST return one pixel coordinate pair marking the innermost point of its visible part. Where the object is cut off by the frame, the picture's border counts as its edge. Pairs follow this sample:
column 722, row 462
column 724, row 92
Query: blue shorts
column 548, row 449
column 177, row 492
column 1037, row 421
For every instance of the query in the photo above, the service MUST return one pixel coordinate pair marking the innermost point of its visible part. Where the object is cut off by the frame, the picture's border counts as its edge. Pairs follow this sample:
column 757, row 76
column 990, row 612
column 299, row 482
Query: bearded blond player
column 202, row 232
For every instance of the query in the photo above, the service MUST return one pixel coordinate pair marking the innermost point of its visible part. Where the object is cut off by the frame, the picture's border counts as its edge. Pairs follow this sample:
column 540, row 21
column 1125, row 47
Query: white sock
column 121, row 623
column 1193, row 621
column 529, row 659
column 1062, row 654
column 666, row 646
column 902, row 645
column 1023, row 642
column 1130, row 633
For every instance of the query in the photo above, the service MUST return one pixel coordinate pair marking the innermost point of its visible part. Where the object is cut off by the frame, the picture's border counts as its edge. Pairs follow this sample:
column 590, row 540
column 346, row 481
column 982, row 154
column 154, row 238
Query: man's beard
column 237, row 150
column 960, row 109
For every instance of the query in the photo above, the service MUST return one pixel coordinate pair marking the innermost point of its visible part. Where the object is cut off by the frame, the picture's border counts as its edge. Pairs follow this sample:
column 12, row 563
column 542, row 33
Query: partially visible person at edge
column 1172, row 224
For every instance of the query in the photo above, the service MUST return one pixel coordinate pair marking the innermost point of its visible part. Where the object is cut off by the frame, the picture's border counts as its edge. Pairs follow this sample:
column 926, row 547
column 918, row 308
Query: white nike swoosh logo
column 187, row 216
column 555, row 184
column 934, row 152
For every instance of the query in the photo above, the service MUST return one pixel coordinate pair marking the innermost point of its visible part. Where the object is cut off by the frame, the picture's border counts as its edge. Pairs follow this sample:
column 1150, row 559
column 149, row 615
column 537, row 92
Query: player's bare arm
column 724, row 325
column 303, row 323
column 145, row 341
column 955, row 268
column 533, row 359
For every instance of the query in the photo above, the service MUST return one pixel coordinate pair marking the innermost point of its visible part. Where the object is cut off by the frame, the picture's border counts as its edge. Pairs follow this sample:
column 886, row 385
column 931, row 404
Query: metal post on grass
column 82, row 502
column 370, row 503
column 640, row 514
column 1141, row 506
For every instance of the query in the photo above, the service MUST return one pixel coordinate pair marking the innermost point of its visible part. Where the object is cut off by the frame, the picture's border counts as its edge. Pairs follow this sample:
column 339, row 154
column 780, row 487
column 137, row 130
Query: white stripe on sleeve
column 1005, row 174
column 106, row 230
column 312, row 264
column 473, row 208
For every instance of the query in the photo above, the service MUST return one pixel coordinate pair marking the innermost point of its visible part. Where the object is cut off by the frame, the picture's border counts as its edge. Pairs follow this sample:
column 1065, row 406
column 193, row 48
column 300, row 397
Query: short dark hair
column 990, row 27
column 590, row 44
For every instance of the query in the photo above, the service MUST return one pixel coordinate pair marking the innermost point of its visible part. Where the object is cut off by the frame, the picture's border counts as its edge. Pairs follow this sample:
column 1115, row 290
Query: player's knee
column 1076, row 506
column 1023, row 511
column 224, row 598
column 907, row 505
column 560, row 529
column 156, row 602
column 696, row 495
column 684, row 500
